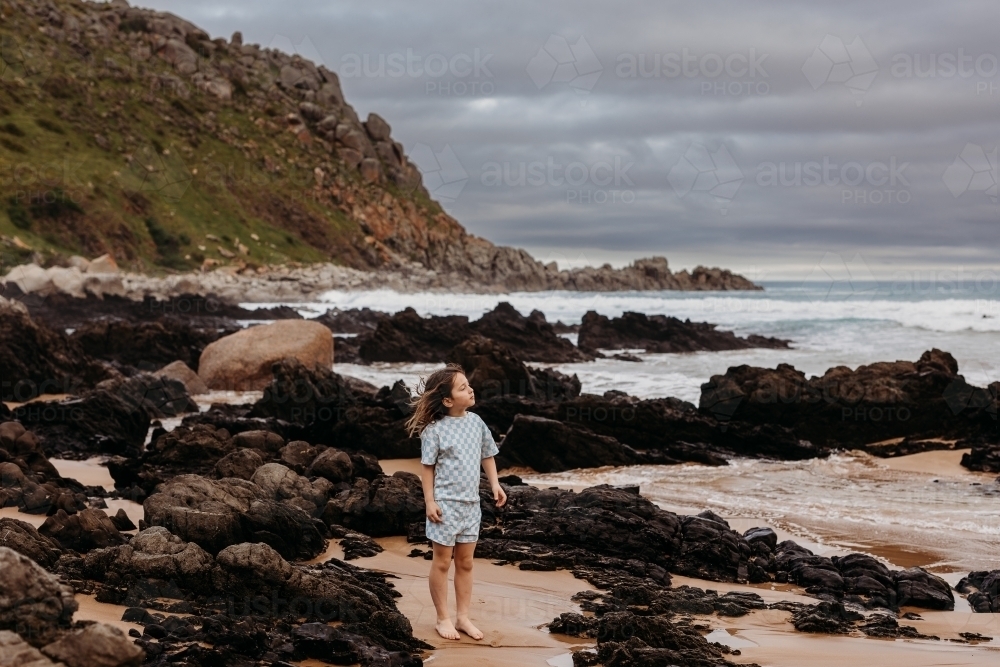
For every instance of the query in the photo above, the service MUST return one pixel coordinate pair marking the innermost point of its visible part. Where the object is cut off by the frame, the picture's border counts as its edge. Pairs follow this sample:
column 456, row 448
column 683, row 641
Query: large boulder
column 33, row 602
column 243, row 360
column 215, row 514
column 82, row 531
column 96, row 645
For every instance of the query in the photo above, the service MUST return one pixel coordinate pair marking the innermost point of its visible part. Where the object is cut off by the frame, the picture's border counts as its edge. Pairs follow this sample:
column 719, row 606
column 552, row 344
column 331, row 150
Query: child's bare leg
column 439, row 590
column 463, row 588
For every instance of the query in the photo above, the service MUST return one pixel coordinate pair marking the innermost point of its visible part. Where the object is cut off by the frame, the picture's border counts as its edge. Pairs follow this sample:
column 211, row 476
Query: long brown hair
column 428, row 406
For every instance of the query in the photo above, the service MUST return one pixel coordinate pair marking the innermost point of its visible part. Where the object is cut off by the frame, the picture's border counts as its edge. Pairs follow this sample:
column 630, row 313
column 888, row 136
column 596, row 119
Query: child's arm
column 430, row 505
column 490, row 466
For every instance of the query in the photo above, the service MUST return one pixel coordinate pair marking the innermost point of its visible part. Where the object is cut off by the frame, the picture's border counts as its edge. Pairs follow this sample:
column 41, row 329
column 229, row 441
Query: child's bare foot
column 447, row 630
column 466, row 626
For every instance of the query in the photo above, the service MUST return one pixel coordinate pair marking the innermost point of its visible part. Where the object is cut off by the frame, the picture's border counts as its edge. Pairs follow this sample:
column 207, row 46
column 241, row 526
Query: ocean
column 933, row 514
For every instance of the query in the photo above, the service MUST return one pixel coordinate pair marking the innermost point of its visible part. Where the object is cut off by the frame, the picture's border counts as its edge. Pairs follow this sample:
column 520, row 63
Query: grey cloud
column 782, row 115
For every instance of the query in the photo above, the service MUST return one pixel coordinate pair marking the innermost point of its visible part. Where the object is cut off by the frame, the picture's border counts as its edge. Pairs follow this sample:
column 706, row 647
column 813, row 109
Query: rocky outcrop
column 35, row 360
column 144, row 345
column 983, row 457
column 215, row 514
column 158, row 570
column 318, row 406
column 548, row 445
column 983, row 590
column 861, row 579
column 660, row 333
column 113, row 418
column 242, row 361
column 384, row 506
column 494, row 371
column 97, row 645
column 82, row 531
column 29, row 482
column 406, row 336
column 852, row 408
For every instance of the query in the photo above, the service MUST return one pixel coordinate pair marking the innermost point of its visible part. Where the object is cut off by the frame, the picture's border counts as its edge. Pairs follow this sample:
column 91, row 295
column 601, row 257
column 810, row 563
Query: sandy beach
column 512, row 606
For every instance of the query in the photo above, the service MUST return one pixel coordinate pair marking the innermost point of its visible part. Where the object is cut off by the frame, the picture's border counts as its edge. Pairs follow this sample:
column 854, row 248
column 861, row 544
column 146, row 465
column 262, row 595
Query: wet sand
column 508, row 605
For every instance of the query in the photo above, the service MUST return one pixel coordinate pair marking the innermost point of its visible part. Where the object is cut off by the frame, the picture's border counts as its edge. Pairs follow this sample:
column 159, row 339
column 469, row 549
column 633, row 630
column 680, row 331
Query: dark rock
column 197, row 446
column 82, row 531
column 34, row 603
column 122, row 521
column 146, row 345
column 24, row 538
column 826, row 617
column 660, row 333
column 352, row 320
column 318, row 406
column 334, row 465
column 852, row 408
column 493, row 370
column 765, row 535
column 96, row 645
column 113, row 418
column 531, row 338
column 983, row 457
column 406, row 336
column 240, row 464
column 35, row 360
column 217, row 513
column 915, row 587
column 298, row 455
column 385, row 506
column 547, row 445
column 265, row 441
column 356, row 545
column 983, row 589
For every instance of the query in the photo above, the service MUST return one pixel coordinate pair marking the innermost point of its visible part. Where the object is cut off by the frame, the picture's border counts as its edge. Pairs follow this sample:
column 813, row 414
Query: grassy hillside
column 113, row 140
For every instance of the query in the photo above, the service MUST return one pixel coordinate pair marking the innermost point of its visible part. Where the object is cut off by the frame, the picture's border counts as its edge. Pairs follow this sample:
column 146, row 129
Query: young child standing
column 454, row 443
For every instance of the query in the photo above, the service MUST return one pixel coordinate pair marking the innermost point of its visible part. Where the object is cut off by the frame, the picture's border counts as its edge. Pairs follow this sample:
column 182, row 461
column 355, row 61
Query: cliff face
column 132, row 132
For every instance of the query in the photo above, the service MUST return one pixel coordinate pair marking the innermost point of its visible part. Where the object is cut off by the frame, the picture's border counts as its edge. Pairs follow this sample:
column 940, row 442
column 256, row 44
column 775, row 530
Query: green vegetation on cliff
column 131, row 132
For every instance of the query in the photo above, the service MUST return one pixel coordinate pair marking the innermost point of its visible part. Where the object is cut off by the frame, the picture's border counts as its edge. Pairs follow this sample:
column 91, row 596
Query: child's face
column 462, row 396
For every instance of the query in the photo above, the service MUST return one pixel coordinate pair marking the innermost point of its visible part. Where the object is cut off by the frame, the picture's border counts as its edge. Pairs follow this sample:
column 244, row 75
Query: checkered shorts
column 460, row 523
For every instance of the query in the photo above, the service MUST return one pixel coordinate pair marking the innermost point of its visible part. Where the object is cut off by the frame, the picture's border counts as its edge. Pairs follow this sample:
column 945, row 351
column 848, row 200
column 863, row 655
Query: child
column 453, row 444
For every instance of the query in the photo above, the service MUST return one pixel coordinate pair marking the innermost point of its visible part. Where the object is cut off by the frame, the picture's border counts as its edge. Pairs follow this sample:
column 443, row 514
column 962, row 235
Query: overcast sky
column 757, row 136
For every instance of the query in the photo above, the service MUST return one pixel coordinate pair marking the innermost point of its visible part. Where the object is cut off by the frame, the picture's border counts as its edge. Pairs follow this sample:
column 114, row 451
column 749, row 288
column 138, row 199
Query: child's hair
column 428, row 406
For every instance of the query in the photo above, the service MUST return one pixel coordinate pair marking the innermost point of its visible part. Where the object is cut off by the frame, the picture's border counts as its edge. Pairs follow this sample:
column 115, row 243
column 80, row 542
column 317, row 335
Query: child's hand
column 434, row 512
column 499, row 496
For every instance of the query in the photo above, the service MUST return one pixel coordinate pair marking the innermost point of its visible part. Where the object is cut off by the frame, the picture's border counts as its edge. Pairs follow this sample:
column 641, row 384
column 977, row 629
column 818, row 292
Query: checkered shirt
column 455, row 446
